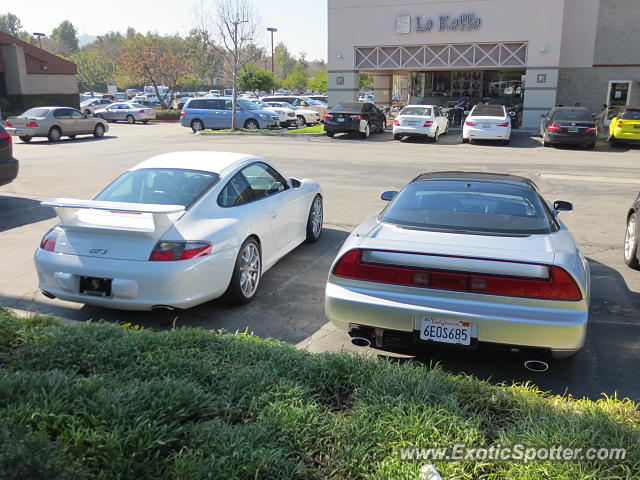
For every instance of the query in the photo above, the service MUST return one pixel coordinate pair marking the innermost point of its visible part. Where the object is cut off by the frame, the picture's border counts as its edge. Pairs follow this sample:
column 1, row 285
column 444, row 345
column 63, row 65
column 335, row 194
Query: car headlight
column 263, row 116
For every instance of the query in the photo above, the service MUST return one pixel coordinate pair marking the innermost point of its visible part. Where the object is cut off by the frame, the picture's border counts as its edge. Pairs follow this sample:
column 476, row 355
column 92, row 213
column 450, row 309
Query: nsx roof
column 455, row 175
column 215, row 162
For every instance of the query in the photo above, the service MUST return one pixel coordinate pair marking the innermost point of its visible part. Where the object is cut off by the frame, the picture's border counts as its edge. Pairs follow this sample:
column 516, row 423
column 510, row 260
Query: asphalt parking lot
column 601, row 183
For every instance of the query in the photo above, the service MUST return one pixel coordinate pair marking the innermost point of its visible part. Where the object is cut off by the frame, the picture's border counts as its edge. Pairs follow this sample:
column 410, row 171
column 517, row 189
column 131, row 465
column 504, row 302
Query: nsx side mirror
column 388, row 195
column 562, row 206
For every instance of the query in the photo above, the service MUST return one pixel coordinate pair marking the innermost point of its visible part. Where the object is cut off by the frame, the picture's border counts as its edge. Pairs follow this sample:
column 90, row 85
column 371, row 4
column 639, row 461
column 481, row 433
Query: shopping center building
column 531, row 54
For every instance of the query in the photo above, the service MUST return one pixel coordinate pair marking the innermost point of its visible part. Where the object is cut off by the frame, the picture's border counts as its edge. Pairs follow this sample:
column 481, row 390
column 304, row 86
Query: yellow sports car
column 625, row 127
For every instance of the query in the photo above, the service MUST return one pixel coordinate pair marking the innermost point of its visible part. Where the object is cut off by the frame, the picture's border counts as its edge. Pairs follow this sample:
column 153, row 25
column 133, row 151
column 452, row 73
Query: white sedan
column 426, row 121
column 303, row 116
column 487, row 122
column 178, row 230
column 286, row 116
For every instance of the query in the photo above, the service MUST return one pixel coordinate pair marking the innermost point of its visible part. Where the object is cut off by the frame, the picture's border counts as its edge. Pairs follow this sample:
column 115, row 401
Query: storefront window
column 618, row 94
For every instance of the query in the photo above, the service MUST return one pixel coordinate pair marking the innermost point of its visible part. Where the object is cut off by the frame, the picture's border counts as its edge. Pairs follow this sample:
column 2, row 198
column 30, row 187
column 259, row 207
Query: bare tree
column 232, row 33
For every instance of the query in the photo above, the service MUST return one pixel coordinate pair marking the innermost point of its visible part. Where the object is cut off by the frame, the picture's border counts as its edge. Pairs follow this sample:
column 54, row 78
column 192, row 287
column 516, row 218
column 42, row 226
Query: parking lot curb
column 262, row 134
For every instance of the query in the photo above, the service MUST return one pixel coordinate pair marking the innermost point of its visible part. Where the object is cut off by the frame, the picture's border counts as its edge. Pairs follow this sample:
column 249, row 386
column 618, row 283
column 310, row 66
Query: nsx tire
column 314, row 222
column 246, row 274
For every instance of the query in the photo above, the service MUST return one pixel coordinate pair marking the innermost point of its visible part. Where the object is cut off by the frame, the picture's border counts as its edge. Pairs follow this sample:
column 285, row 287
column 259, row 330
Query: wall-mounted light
column 340, row 55
column 43, row 67
column 544, row 48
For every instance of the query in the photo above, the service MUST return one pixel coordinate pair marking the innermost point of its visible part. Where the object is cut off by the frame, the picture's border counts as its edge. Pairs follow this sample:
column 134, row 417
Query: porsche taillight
column 558, row 285
column 173, row 251
column 50, row 240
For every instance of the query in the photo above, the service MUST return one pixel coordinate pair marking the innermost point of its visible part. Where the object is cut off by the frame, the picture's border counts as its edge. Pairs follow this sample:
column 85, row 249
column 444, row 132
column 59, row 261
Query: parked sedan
column 631, row 250
column 128, row 112
column 54, row 123
column 625, row 127
column 568, row 126
column 8, row 164
column 421, row 121
column 299, row 101
column 303, row 116
column 178, row 230
column 351, row 117
column 88, row 107
column 476, row 260
column 286, row 116
column 487, row 122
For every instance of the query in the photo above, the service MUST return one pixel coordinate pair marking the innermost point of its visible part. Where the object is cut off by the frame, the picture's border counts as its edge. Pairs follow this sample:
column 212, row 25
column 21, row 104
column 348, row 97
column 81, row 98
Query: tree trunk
column 162, row 104
column 234, row 98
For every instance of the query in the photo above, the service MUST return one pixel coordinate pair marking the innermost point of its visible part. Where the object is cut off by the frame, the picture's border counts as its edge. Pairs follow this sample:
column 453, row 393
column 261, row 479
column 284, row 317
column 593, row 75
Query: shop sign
column 445, row 23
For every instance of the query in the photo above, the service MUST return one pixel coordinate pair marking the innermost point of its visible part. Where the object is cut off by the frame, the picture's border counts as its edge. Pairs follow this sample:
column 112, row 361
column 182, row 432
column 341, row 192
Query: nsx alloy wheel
column 246, row 274
column 54, row 134
column 631, row 243
column 314, row 223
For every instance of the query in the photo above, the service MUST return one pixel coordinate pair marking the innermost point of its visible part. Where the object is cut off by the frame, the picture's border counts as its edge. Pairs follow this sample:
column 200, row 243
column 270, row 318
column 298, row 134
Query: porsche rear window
column 631, row 114
column 470, row 207
column 159, row 186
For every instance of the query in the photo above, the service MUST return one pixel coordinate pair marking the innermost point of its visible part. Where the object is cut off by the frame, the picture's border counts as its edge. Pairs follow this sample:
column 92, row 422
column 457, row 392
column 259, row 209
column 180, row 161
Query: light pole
column 273, row 70
column 39, row 35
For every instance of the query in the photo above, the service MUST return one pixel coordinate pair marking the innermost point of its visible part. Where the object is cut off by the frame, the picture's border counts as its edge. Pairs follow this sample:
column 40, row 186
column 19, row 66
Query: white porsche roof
column 216, row 162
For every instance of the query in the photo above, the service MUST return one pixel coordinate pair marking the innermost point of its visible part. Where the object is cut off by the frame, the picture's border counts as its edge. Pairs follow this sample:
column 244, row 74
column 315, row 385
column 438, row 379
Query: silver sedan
column 128, row 112
column 54, row 123
column 474, row 260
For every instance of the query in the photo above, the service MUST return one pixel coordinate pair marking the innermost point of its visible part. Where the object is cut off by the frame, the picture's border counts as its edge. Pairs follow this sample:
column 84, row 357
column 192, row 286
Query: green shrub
column 168, row 114
column 113, row 402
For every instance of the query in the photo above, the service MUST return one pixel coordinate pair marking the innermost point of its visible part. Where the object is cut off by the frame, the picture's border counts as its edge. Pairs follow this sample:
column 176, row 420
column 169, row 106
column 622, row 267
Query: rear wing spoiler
column 99, row 215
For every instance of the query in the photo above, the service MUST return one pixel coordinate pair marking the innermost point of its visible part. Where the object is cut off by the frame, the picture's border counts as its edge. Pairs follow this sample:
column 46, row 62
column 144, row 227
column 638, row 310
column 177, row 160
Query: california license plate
column 445, row 331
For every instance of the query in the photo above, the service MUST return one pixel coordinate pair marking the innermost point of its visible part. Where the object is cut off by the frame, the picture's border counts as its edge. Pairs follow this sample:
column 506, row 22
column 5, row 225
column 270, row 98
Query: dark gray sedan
column 54, row 123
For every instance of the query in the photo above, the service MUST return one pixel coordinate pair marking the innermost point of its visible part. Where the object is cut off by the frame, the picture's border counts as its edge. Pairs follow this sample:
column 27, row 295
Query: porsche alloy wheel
column 631, row 243
column 246, row 274
column 314, row 222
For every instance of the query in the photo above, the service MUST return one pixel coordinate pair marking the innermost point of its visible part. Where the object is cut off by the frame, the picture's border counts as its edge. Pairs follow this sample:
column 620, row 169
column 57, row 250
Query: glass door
column 618, row 95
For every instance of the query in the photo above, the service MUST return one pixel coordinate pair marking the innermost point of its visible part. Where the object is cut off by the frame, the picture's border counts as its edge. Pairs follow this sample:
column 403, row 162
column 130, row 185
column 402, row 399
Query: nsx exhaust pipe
column 537, row 366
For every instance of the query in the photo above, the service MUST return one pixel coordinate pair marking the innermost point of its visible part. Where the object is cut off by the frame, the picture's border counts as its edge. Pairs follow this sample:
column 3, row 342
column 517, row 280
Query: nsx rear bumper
column 558, row 326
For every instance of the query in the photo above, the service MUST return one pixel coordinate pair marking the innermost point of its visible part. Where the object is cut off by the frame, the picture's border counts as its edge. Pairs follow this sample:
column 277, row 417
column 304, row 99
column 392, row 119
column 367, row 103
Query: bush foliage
column 100, row 401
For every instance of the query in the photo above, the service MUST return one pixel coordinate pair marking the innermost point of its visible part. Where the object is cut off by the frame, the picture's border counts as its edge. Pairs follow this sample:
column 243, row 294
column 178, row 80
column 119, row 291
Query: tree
column 319, row 82
column 154, row 60
column 284, row 60
column 95, row 68
column 111, row 44
column 235, row 27
column 256, row 79
column 11, row 24
column 297, row 79
column 206, row 59
column 68, row 36
column 366, row 81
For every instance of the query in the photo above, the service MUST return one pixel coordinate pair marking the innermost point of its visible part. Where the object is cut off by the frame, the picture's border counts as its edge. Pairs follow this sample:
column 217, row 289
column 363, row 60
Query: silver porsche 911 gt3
column 476, row 260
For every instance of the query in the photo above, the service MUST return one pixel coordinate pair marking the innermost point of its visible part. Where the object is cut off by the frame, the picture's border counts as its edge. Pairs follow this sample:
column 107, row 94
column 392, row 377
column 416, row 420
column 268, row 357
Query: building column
column 344, row 86
column 382, row 89
column 541, row 89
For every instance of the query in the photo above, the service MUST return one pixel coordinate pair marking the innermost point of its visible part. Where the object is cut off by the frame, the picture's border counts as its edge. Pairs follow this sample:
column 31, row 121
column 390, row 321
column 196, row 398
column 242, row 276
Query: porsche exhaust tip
column 537, row 366
column 360, row 341
column 48, row 294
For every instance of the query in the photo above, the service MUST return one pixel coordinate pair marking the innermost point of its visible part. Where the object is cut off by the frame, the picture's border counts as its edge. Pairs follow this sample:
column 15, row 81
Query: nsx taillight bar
column 173, row 251
column 558, row 285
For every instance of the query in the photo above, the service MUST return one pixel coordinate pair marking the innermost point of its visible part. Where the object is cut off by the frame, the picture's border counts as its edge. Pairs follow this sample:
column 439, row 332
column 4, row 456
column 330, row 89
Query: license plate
column 445, row 331
column 340, row 120
column 636, row 126
column 486, row 125
column 97, row 287
column 412, row 124
column 573, row 130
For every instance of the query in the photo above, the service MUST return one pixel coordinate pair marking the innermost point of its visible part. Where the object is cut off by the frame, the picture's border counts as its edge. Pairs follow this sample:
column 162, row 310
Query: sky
column 302, row 25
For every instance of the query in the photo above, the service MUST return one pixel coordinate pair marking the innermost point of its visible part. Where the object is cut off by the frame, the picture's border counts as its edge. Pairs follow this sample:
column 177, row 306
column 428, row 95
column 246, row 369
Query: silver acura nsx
column 477, row 260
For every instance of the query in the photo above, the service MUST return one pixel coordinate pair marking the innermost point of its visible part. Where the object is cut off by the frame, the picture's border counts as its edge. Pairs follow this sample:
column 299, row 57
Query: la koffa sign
column 444, row 23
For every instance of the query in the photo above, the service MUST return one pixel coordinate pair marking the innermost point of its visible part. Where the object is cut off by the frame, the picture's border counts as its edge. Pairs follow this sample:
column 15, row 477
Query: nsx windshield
column 470, row 207
column 159, row 186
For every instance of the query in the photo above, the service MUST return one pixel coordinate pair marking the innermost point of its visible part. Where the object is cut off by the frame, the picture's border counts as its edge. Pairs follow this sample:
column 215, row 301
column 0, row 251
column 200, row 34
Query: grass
column 101, row 401
column 316, row 129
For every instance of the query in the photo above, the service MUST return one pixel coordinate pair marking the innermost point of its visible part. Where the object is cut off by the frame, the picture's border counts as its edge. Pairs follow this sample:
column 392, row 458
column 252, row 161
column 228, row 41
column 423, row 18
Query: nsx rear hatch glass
column 159, row 186
column 470, row 207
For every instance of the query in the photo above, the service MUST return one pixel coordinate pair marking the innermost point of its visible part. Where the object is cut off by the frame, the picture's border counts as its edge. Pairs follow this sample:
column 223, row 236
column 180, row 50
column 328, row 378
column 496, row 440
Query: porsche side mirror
column 562, row 206
column 388, row 195
column 295, row 183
